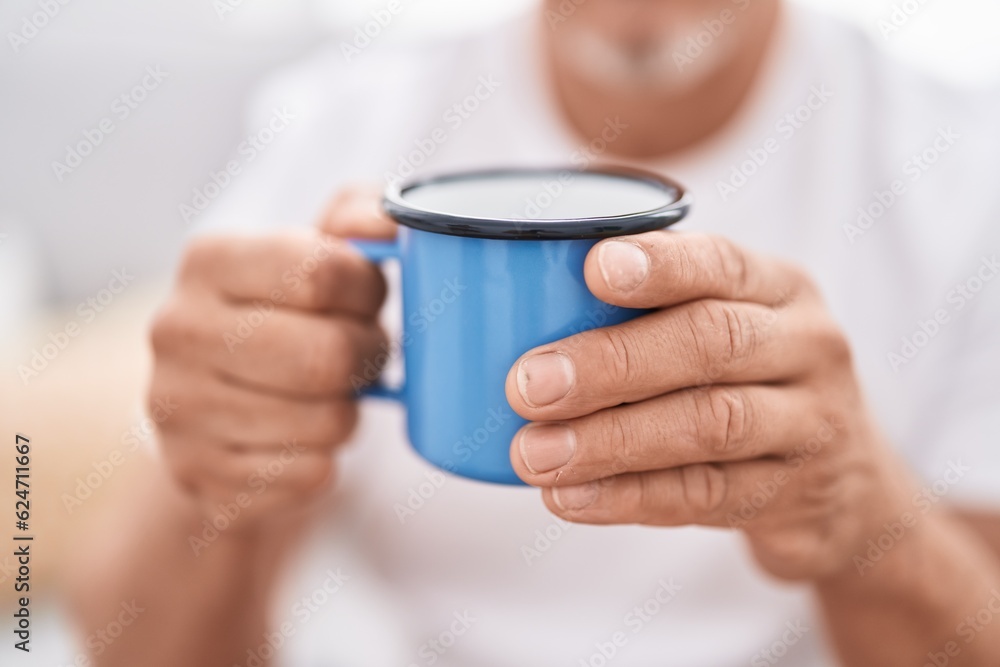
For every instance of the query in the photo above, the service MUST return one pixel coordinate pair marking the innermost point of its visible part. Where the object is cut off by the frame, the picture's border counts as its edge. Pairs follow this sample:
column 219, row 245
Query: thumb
column 356, row 212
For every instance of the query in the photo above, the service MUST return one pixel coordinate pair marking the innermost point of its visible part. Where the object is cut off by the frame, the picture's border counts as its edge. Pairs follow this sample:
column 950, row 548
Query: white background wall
column 120, row 207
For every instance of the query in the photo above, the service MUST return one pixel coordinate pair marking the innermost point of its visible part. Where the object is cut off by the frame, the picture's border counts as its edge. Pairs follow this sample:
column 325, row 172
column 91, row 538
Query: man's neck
column 660, row 123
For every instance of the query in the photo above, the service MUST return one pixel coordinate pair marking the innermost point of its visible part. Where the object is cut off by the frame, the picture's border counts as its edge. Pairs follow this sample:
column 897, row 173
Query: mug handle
column 378, row 252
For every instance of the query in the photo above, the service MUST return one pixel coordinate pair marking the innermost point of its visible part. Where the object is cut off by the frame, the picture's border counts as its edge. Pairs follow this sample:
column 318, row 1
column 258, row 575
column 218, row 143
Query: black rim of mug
column 526, row 229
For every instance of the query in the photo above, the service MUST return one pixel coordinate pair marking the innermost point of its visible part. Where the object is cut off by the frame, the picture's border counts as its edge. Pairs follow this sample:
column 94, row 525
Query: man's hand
column 734, row 404
column 259, row 344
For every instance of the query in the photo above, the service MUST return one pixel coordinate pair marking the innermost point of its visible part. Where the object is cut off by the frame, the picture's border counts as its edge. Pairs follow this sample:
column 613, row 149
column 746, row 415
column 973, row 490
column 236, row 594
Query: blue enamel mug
column 492, row 266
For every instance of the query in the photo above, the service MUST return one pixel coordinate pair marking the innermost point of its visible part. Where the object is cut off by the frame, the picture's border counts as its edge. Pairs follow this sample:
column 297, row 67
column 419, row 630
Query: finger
column 356, row 212
column 252, row 420
column 306, row 355
column 264, row 479
column 260, row 470
column 694, row 344
column 664, row 268
column 310, row 271
column 702, row 494
column 284, row 351
column 703, row 425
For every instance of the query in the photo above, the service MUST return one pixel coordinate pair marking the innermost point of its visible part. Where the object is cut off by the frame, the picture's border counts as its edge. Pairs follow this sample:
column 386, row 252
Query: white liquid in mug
column 547, row 195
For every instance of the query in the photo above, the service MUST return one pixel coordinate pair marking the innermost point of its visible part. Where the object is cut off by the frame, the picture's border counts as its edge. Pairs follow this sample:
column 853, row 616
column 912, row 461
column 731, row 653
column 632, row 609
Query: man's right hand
column 261, row 346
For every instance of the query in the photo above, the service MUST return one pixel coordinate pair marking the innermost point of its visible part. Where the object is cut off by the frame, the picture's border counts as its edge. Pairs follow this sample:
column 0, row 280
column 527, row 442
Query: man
column 817, row 379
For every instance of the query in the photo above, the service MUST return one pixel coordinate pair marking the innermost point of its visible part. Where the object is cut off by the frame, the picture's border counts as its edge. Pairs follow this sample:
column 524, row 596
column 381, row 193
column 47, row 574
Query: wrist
column 218, row 530
column 889, row 561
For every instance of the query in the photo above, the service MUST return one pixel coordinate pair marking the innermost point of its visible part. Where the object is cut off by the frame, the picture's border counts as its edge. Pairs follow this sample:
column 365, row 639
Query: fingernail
column 545, row 378
column 624, row 265
column 547, row 447
column 575, row 497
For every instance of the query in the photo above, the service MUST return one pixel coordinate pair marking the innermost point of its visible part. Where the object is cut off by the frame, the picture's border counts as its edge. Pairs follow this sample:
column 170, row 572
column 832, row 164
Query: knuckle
column 704, row 488
column 323, row 359
column 825, row 485
column 723, row 420
column 332, row 219
column 320, row 282
column 622, row 442
column 318, row 269
column 355, row 210
column 619, row 355
column 730, row 263
column 730, row 332
column 686, row 266
column 740, row 335
column 643, row 505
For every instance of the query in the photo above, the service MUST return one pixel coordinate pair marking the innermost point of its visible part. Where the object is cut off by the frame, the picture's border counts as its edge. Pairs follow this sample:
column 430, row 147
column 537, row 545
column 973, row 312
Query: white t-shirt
column 484, row 575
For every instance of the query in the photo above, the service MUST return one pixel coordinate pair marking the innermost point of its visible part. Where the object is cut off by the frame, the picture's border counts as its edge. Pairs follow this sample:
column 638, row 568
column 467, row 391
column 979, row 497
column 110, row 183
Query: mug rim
column 527, row 229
